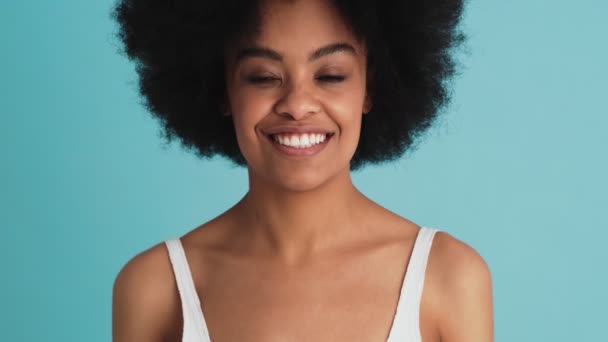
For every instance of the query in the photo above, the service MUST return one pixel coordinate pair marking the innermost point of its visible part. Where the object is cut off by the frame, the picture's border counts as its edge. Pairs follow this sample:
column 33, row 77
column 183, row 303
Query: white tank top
column 405, row 325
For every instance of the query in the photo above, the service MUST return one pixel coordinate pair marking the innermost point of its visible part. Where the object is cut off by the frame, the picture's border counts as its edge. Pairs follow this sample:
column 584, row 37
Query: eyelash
column 261, row 79
column 268, row 79
column 331, row 78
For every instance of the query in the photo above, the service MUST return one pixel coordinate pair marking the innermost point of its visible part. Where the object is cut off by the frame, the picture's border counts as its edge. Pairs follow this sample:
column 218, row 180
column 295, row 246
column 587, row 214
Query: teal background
column 516, row 167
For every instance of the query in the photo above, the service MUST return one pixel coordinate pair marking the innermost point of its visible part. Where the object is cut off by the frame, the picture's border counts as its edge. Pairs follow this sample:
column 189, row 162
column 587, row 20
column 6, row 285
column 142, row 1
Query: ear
column 225, row 106
column 225, row 109
column 369, row 89
column 367, row 104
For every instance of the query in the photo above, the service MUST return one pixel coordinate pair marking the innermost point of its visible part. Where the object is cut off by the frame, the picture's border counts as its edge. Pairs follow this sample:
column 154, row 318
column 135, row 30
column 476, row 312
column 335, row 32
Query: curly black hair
column 178, row 47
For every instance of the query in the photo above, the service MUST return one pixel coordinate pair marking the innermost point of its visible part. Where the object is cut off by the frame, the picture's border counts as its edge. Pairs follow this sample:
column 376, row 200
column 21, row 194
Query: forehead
column 300, row 26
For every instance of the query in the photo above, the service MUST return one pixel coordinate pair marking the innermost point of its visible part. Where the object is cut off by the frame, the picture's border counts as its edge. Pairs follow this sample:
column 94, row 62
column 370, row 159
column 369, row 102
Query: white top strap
column 195, row 328
column 407, row 317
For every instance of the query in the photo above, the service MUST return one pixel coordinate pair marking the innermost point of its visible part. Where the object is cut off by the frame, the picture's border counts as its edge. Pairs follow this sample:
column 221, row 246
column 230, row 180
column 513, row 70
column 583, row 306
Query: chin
column 300, row 181
column 291, row 180
column 301, row 186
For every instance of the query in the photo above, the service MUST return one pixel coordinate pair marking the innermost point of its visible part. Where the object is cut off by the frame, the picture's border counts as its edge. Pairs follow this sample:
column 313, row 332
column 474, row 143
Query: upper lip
column 296, row 129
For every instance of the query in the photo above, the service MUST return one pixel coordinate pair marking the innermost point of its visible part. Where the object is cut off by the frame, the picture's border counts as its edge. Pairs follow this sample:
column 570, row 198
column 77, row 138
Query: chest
column 333, row 301
column 304, row 310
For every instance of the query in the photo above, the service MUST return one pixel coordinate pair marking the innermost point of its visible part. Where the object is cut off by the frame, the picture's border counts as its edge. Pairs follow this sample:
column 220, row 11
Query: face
column 296, row 92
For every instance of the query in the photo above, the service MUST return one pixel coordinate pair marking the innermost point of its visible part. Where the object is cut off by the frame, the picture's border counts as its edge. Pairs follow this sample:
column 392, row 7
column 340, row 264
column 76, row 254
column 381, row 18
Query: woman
column 301, row 93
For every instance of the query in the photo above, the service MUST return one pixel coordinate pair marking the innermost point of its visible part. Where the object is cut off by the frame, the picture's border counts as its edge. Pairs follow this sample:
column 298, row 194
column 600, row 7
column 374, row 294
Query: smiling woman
column 301, row 93
column 307, row 70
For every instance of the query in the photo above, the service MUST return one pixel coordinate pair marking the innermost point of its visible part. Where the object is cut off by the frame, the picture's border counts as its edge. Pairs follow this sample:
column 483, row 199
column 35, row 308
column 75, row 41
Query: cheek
column 246, row 138
column 346, row 108
column 247, row 110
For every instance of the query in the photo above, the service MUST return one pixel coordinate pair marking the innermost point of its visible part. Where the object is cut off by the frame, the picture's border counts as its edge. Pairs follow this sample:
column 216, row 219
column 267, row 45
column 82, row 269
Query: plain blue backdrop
column 516, row 167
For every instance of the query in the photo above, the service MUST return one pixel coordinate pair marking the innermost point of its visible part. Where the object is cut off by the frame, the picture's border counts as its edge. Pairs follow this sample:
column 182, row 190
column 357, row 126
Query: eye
column 262, row 79
column 331, row 78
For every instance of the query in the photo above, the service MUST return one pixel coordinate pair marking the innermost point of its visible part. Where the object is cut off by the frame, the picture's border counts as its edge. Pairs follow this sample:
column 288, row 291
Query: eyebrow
column 255, row 51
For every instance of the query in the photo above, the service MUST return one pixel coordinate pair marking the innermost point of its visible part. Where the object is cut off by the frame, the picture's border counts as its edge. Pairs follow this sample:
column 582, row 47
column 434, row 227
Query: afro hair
column 178, row 49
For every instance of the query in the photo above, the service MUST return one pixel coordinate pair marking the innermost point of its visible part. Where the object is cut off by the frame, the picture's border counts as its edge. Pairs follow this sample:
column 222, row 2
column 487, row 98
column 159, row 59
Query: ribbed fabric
column 406, row 322
column 195, row 327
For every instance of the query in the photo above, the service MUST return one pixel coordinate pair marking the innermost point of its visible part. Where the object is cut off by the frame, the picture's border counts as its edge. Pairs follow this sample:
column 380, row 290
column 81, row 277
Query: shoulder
column 457, row 262
column 145, row 297
column 460, row 280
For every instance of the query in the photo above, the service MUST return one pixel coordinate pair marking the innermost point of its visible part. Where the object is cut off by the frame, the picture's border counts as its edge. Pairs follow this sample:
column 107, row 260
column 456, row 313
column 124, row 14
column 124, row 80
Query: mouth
column 300, row 144
column 299, row 140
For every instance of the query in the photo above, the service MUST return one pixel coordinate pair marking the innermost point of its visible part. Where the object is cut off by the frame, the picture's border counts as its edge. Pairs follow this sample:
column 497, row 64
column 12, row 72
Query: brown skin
column 304, row 256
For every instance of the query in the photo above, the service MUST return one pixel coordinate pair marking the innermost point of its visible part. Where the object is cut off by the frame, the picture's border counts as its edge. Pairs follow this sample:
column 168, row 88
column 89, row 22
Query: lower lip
column 300, row 152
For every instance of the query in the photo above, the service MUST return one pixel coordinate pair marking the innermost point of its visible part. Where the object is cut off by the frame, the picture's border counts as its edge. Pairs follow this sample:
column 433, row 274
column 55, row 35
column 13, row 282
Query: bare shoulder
column 145, row 298
column 457, row 262
column 460, row 279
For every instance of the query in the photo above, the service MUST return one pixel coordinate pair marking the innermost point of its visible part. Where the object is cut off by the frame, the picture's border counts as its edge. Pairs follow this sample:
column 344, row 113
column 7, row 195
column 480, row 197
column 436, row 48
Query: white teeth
column 304, row 140
column 299, row 141
column 295, row 141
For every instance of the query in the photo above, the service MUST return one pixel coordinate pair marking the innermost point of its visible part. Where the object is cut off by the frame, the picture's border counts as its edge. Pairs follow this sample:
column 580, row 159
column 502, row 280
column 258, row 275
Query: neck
column 295, row 225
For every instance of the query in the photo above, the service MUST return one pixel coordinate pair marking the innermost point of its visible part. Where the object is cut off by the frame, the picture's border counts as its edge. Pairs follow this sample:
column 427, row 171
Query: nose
column 297, row 101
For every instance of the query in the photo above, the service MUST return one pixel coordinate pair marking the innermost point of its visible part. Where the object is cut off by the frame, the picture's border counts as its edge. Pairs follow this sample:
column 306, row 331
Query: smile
column 300, row 144
column 299, row 140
